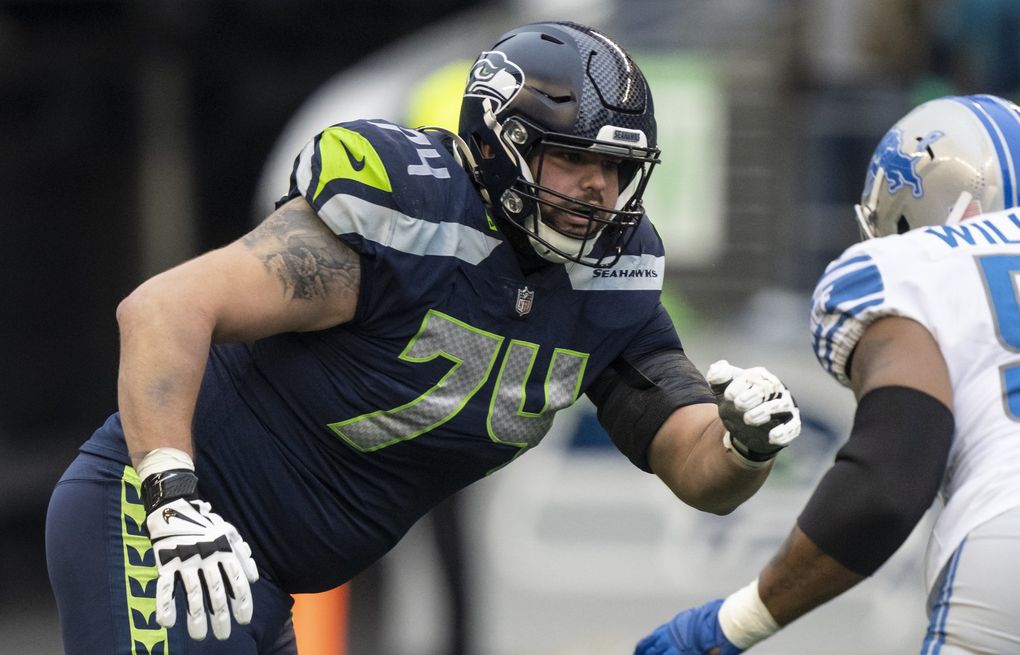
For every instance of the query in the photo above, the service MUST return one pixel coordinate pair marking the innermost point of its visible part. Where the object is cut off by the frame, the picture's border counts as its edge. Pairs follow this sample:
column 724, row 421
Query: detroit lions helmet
column 946, row 160
column 571, row 87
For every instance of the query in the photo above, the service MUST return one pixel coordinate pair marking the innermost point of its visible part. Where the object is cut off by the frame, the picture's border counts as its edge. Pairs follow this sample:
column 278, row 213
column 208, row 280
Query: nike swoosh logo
column 170, row 513
column 356, row 164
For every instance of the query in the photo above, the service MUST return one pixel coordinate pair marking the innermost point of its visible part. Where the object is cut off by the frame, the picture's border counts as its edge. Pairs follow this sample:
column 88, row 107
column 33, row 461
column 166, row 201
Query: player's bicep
column 289, row 274
column 635, row 399
column 900, row 352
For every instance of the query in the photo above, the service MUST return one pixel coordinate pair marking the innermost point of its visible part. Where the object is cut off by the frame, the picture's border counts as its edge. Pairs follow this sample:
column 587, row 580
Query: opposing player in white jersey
column 922, row 321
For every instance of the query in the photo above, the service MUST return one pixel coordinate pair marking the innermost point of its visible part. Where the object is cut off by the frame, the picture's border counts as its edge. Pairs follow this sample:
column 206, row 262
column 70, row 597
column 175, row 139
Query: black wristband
column 160, row 488
column 748, row 454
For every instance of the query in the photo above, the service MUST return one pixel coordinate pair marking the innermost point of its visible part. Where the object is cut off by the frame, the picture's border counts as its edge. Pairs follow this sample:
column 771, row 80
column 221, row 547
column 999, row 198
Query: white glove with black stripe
column 757, row 409
column 197, row 547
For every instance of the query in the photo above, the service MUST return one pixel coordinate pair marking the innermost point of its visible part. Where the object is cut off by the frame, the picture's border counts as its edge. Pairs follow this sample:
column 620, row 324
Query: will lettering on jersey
column 978, row 232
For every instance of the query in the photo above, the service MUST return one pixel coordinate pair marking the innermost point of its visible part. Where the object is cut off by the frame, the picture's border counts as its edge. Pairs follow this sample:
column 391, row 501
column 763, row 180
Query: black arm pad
column 635, row 399
column 884, row 479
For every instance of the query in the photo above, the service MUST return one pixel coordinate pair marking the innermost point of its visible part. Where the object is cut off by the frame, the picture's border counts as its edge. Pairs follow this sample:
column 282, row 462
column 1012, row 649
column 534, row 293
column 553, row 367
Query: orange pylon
column 320, row 622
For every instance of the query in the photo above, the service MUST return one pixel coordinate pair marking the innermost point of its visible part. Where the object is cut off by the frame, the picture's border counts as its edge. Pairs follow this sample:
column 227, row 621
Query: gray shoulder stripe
column 303, row 172
column 631, row 273
column 345, row 214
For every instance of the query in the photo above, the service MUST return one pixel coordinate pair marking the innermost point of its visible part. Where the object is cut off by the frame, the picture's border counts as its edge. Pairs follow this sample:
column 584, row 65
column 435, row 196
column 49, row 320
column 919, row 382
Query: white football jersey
column 962, row 282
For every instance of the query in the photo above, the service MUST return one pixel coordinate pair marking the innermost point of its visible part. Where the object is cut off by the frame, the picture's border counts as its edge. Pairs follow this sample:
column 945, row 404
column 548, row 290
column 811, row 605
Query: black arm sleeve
column 635, row 399
column 883, row 480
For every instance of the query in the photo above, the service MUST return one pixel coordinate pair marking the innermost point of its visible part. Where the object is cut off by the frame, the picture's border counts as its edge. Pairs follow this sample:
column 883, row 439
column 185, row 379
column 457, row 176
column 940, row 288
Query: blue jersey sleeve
column 843, row 303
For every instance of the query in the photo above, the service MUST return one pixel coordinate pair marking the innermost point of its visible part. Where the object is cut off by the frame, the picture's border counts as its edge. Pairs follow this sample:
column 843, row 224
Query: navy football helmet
column 570, row 87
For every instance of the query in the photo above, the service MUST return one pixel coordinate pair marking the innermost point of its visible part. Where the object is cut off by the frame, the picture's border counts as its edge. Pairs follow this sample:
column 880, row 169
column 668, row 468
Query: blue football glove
column 695, row 631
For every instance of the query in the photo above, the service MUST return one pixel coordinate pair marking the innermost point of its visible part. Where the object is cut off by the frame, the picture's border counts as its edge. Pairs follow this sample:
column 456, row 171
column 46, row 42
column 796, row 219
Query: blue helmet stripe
column 1003, row 127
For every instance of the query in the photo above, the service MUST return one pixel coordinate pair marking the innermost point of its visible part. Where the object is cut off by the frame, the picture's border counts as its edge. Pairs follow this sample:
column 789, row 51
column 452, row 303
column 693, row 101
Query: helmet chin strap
column 964, row 207
column 556, row 239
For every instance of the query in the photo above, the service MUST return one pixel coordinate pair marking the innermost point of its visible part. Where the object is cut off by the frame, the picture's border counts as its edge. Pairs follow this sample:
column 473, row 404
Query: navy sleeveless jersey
column 323, row 448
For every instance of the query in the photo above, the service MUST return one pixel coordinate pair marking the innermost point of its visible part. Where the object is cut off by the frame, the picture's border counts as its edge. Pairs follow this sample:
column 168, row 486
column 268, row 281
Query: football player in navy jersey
column 409, row 320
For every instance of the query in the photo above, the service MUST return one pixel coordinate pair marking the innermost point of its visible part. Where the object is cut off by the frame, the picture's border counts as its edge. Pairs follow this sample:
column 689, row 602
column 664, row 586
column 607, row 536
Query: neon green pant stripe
column 139, row 576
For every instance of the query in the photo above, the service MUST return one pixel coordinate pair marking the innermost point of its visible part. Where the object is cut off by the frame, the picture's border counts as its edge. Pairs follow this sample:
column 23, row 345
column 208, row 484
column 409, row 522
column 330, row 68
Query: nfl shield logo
column 524, row 300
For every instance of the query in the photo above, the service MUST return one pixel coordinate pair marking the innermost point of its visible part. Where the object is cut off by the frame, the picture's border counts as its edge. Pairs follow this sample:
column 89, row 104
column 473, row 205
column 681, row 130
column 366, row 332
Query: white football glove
column 196, row 546
column 214, row 564
column 757, row 409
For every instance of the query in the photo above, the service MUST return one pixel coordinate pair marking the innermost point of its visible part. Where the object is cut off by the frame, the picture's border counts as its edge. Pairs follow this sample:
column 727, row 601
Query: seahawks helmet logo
column 496, row 77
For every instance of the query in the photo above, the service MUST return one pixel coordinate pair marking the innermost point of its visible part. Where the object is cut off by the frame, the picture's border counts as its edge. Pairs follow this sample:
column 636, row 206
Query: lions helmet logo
column 495, row 77
column 898, row 168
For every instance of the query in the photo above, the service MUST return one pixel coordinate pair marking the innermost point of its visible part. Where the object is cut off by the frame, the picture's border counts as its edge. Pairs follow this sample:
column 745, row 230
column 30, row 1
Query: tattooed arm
column 288, row 274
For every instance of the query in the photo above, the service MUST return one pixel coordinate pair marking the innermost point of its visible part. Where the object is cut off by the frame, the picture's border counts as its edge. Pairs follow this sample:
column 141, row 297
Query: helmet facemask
column 529, row 203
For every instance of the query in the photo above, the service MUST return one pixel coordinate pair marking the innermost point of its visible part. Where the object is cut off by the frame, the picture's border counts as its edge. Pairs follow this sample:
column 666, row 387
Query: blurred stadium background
column 137, row 134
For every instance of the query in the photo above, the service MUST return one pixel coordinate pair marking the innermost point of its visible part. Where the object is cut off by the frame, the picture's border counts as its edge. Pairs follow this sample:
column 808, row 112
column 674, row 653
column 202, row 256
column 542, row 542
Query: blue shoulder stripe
column 846, row 289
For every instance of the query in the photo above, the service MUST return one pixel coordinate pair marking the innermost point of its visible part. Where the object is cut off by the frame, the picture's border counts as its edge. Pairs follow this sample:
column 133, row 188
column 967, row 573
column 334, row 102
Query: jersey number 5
column 473, row 354
column 1000, row 274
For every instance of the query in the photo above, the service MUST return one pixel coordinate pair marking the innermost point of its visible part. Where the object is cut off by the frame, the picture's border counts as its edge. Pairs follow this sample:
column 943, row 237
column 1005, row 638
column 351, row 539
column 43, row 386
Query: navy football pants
column 103, row 574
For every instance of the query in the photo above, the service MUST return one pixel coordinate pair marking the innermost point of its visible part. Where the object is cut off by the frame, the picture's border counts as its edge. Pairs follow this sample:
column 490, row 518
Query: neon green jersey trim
column 348, row 155
column 141, row 610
